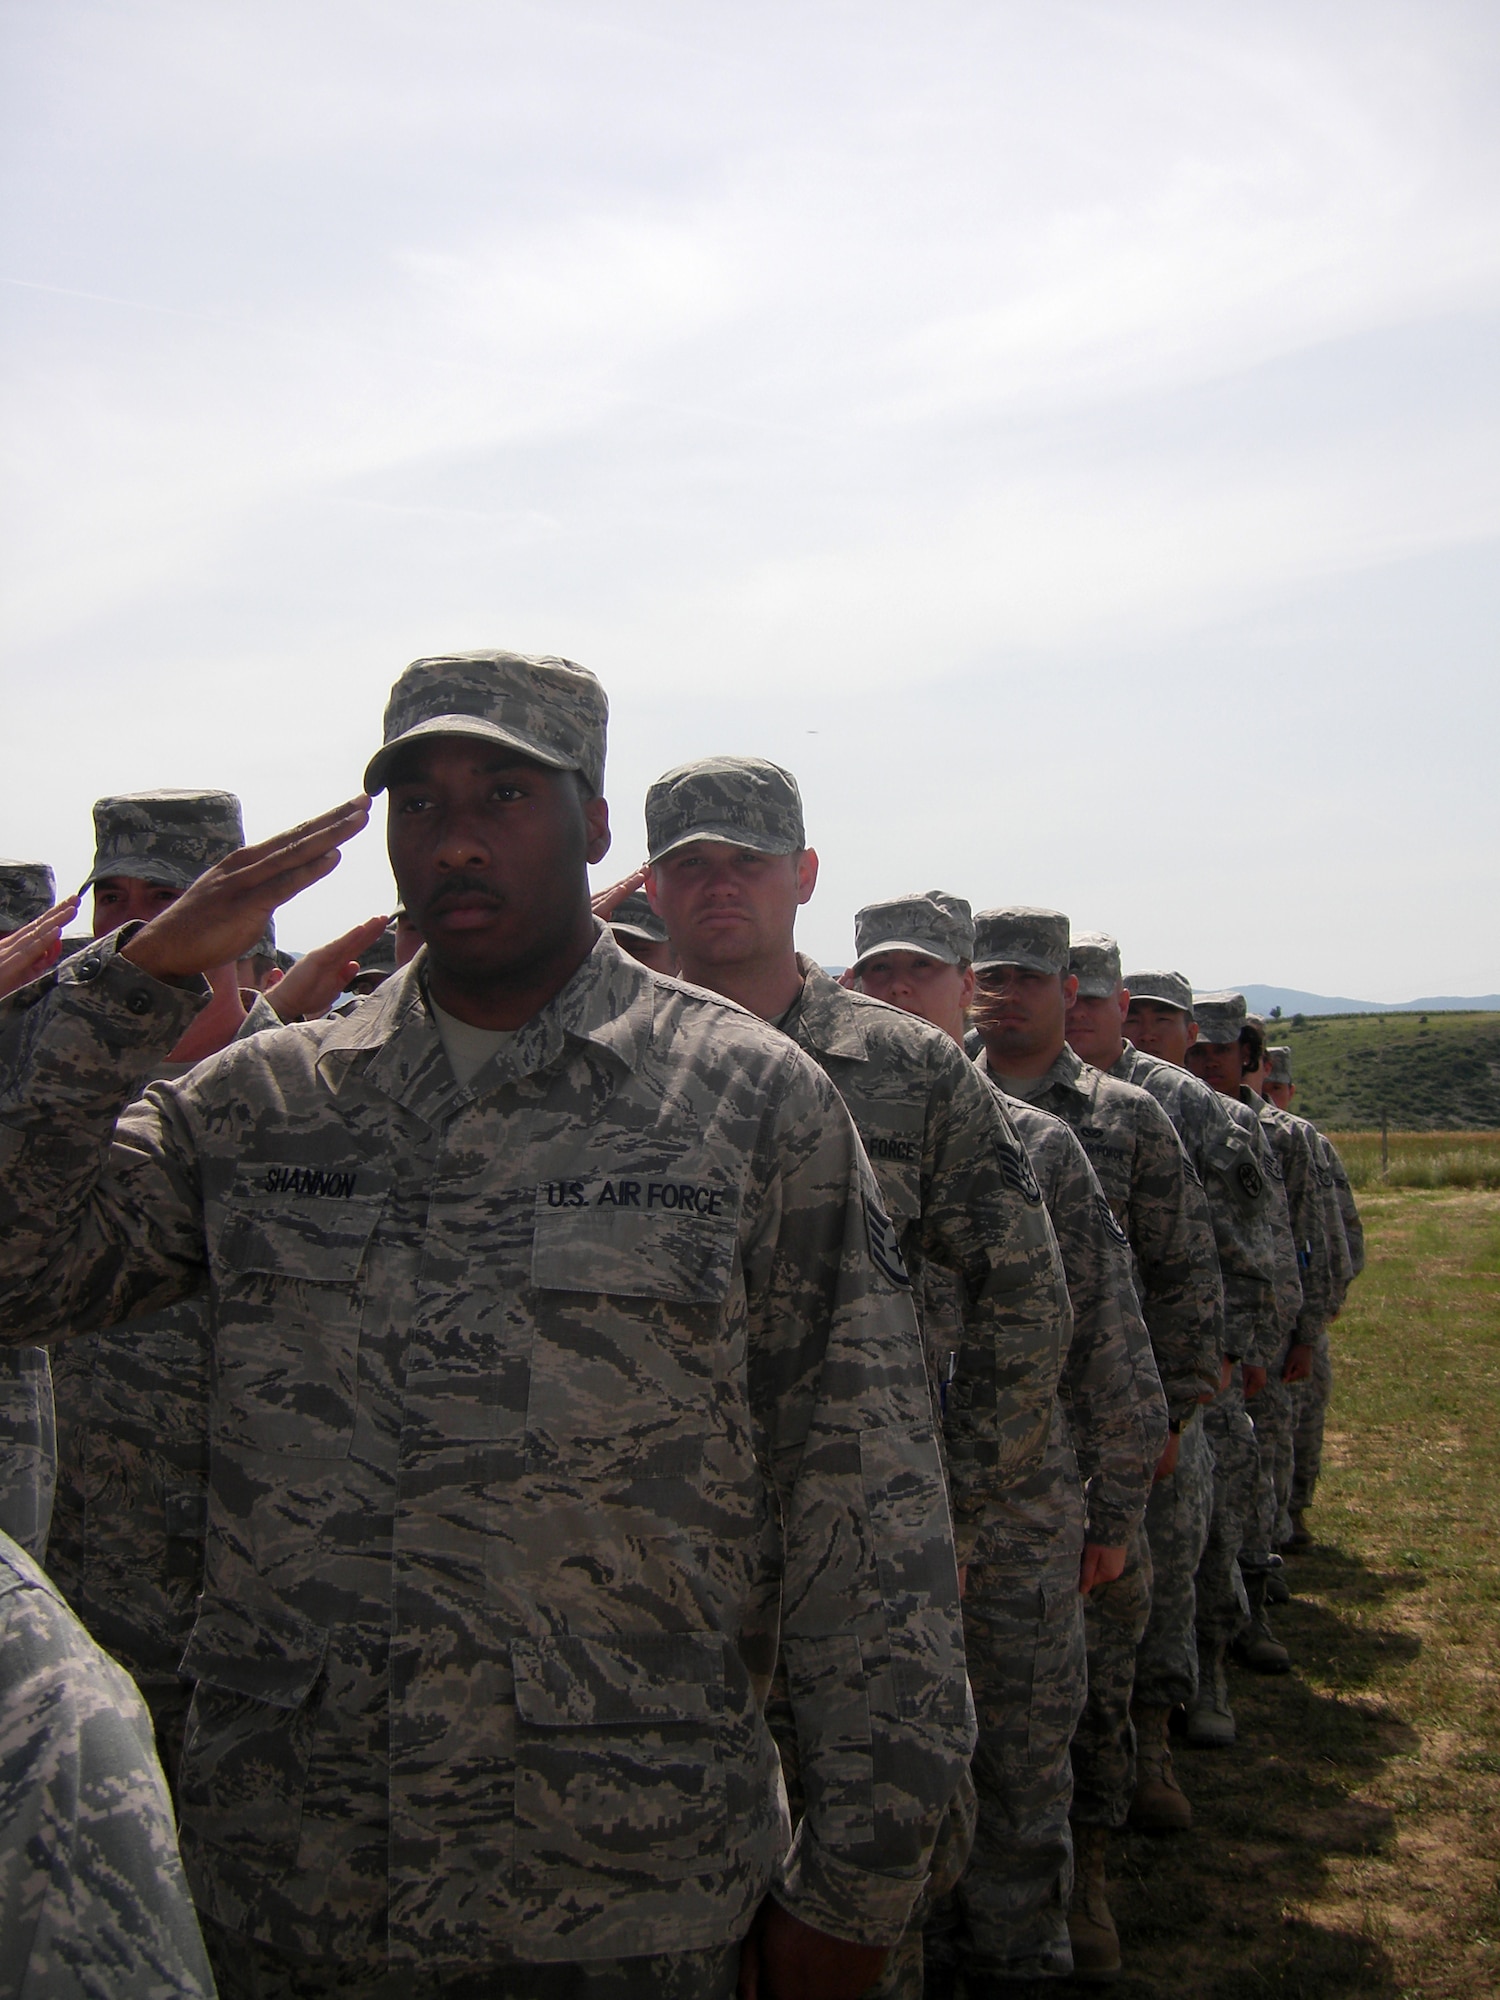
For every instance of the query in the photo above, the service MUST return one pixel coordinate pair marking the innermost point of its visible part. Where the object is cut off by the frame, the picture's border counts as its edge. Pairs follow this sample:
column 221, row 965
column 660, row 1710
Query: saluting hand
column 224, row 914
column 607, row 901
column 27, row 953
column 319, row 977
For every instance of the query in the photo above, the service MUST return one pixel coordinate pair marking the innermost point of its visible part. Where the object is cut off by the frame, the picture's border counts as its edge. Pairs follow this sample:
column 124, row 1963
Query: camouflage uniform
column 1294, row 1143
column 1344, row 1237
column 1154, row 1193
column 93, row 1905
column 132, row 1402
column 1025, row 1630
column 28, row 1442
column 533, row 1400
column 954, row 1178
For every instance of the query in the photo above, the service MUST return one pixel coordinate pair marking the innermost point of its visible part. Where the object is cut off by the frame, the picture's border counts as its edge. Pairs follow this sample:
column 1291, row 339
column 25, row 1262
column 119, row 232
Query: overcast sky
column 1067, row 436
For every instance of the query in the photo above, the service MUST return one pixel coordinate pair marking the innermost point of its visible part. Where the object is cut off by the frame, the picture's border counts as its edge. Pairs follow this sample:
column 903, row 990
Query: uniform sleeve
column 1354, row 1228
column 100, row 1215
column 81, row 1785
column 871, row 1632
column 1182, row 1299
column 1275, row 1333
column 1310, row 1234
column 1340, row 1261
column 984, row 1219
column 1116, row 1409
column 1239, row 1206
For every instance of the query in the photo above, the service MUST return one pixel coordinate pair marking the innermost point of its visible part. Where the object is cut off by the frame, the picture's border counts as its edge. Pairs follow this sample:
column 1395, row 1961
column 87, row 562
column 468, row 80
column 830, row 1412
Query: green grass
column 1424, row 1072
column 1349, row 1845
column 1421, row 1159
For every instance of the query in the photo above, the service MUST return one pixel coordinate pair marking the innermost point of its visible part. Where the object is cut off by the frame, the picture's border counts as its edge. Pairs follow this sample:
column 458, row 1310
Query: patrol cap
column 1035, row 940
column 1220, row 1016
column 635, row 916
column 1279, row 1064
column 26, row 889
column 380, row 956
column 549, row 709
column 170, row 838
column 746, row 801
column 933, row 923
column 265, row 944
column 1094, row 957
column 1167, row 989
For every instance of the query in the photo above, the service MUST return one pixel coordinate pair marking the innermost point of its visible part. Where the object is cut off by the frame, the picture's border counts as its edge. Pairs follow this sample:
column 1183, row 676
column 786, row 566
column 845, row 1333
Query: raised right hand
column 224, row 914
column 27, row 953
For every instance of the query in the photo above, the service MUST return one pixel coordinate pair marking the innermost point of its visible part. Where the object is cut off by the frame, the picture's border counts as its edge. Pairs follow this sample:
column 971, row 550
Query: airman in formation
column 620, row 1463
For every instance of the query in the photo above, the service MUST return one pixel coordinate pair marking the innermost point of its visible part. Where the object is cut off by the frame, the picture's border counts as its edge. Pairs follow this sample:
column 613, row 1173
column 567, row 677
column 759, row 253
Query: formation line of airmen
column 551, row 1448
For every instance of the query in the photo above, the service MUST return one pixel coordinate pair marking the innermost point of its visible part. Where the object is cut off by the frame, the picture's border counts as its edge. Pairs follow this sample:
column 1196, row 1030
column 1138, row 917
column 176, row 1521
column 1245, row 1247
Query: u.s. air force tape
column 1016, row 1170
column 885, row 1250
column 1107, row 1217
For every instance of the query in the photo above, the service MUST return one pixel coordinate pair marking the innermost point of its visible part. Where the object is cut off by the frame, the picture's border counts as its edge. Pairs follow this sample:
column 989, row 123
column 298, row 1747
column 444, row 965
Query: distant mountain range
column 1261, row 999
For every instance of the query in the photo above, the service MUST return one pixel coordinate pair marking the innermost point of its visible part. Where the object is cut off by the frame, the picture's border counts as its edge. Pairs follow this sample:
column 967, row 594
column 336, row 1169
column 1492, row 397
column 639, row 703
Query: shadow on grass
column 1229, row 1911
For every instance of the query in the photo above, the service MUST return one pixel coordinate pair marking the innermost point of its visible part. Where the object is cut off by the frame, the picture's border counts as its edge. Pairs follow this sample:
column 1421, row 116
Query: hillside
column 1428, row 1073
column 1291, row 1000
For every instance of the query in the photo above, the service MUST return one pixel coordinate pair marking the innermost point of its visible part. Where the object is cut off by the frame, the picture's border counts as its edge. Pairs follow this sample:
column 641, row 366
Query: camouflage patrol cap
column 1094, row 957
column 170, row 838
column 1220, row 1016
column 933, row 923
column 1166, row 989
column 745, row 801
column 380, row 956
column 1279, row 1064
column 549, row 709
column 635, row 916
column 1035, row 940
column 26, row 889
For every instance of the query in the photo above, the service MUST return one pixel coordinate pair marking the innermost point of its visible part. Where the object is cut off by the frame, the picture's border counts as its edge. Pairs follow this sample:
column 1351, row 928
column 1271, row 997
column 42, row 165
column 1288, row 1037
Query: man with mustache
column 559, row 1375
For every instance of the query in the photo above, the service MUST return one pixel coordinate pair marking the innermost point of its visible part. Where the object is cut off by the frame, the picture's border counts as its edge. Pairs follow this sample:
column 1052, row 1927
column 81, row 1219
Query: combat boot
column 1210, row 1718
column 1299, row 1539
column 1096, row 1943
column 1277, row 1589
column 1257, row 1647
column 1160, row 1805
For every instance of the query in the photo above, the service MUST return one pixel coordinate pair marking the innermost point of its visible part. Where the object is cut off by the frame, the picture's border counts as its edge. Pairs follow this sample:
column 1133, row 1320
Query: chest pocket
column 645, row 1248
column 892, row 1136
column 627, row 1346
column 290, row 1274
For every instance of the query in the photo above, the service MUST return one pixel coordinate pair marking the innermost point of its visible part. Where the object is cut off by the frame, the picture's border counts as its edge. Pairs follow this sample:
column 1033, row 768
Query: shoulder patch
column 885, row 1250
column 1017, row 1172
column 1107, row 1217
column 1251, row 1181
column 1325, row 1178
column 1273, row 1166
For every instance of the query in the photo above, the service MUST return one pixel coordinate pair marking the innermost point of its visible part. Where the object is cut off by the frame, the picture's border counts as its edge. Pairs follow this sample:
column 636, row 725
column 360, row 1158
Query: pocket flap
column 648, row 1252
column 571, row 1683
column 313, row 1223
column 266, row 1651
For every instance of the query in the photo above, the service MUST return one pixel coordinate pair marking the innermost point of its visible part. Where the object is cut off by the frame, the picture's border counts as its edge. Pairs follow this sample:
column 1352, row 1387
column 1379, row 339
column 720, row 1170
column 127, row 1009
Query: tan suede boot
column 1096, row 1944
column 1159, row 1805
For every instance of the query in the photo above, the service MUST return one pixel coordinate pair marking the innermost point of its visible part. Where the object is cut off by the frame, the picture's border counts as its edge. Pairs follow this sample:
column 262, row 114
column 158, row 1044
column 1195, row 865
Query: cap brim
column 1096, row 988
column 378, row 768
column 1217, row 1037
column 727, row 836
column 144, row 868
column 904, row 944
column 628, row 929
column 1021, row 965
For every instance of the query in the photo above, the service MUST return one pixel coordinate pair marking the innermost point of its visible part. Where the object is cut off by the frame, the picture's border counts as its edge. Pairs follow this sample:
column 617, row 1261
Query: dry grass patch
column 1349, row 1845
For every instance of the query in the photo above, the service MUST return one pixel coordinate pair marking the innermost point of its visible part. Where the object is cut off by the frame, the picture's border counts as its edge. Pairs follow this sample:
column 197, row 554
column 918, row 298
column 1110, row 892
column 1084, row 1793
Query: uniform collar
column 608, row 1003
column 1067, row 1072
column 826, row 1019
